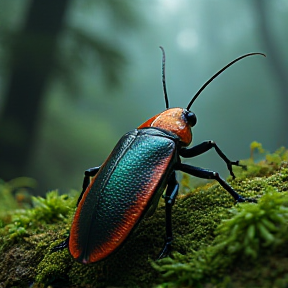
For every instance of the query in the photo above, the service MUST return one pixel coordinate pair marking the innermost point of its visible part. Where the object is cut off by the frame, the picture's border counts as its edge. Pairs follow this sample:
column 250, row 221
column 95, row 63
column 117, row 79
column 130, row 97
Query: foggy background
column 77, row 75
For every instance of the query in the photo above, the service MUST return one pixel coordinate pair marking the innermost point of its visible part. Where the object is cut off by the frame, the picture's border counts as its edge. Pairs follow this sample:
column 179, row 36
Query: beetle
column 127, row 187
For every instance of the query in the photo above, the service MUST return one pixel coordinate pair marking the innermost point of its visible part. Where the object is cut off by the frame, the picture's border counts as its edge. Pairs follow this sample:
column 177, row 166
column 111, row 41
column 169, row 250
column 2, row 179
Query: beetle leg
column 61, row 246
column 87, row 174
column 208, row 174
column 204, row 147
column 171, row 193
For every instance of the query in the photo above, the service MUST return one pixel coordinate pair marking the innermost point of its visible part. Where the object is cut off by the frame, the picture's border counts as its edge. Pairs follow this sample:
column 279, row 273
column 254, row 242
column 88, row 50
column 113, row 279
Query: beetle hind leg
column 171, row 193
column 208, row 174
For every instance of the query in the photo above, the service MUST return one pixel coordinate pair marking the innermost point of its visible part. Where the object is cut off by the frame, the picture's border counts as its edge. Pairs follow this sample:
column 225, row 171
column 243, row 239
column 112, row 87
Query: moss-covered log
column 217, row 243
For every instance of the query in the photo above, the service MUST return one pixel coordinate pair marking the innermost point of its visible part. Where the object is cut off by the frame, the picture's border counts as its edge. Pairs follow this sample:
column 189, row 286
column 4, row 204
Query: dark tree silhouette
column 32, row 55
column 276, row 63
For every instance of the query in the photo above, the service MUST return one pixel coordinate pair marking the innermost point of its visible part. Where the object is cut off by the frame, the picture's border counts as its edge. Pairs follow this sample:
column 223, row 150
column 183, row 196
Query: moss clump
column 251, row 232
column 47, row 210
column 255, row 228
column 26, row 233
column 216, row 243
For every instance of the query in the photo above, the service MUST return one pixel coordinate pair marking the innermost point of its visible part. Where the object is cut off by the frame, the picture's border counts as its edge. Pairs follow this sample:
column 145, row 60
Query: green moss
column 217, row 243
column 47, row 210
column 25, row 235
column 251, row 232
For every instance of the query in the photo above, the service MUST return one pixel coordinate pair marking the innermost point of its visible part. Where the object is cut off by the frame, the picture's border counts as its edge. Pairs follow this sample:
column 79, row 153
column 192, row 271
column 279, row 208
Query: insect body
column 132, row 179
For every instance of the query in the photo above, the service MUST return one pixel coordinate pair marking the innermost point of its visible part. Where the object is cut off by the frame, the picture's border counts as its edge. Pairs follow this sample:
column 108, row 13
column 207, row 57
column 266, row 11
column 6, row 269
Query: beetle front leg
column 204, row 147
column 208, row 174
column 86, row 181
column 170, row 195
column 88, row 173
column 61, row 246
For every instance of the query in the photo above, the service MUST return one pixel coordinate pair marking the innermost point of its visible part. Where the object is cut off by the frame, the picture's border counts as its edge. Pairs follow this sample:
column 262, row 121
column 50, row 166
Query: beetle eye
column 191, row 118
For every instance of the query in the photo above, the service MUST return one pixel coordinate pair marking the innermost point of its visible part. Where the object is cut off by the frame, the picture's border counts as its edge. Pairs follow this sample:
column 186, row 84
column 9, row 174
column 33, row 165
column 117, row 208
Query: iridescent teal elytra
column 117, row 195
column 134, row 175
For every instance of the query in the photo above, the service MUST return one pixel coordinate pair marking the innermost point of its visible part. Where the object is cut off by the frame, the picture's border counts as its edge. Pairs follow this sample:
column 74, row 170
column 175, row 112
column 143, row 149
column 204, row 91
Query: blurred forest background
column 76, row 75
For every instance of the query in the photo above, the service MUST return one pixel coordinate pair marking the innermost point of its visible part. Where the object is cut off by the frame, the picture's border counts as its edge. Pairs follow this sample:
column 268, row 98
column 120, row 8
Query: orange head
column 176, row 120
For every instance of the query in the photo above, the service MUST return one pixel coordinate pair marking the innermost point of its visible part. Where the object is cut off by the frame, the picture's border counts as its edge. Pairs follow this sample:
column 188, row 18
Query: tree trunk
column 32, row 54
column 277, row 65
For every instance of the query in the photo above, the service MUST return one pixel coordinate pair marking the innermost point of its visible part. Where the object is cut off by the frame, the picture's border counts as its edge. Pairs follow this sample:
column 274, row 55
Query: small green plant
column 278, row 156
column 14, row 194
column 256, row 146
column 255, row 226
column 47, row 210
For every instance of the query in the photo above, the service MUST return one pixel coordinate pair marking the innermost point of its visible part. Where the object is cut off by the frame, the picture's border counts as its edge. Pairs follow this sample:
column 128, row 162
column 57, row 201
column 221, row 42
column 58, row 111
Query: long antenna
column 218, row 73
column 163, row 77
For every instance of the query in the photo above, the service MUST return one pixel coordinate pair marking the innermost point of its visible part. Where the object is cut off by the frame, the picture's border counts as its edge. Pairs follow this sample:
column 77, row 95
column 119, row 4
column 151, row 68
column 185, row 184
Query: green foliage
column 53, row 208
column 278, row 156
column 256, row 146
column 263, row 167
column 7, row 199
column 47, row 210
column 253, row 228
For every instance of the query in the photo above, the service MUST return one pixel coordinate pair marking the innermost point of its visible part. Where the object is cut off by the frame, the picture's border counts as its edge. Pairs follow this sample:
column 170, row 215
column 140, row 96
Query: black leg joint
column 61, row 246
column 92, row 171
column 208, row 174
column 204, row 147
column 170, row 196
column 166, row 251
column 86, row 181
